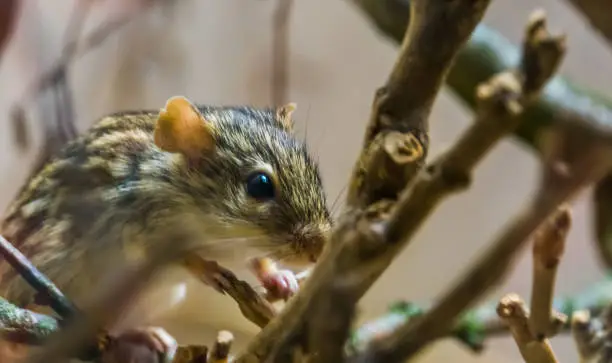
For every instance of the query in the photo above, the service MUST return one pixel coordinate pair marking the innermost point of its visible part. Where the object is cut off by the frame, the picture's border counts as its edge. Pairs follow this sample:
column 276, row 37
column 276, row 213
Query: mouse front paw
column 142, row 345
column 281, row 284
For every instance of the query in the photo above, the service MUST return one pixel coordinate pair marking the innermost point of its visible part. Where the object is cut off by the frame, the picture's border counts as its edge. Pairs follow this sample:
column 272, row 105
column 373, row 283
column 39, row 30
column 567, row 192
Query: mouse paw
column 280, row 283
column 142, row 345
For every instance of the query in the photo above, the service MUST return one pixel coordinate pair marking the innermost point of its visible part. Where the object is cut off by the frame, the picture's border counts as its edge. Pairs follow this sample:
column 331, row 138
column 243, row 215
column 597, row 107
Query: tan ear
column 181, row 128
column 283, row 116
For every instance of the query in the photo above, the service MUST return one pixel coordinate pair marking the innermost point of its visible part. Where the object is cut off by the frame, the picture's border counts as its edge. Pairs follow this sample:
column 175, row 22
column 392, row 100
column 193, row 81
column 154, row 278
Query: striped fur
column 112, row 193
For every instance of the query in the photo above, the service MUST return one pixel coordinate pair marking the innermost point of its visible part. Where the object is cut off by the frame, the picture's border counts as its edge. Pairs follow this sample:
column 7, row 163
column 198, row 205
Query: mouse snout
column 311, row 240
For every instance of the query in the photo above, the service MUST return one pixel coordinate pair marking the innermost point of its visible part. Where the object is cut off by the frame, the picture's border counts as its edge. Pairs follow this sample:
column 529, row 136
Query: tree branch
column 24, row 326
column 69, row 336
column 598, row 13
column 58, row 133
column 16, row 324
column 487, row 53
column 87, row 335
column 398, row 123
column 548, row 247
column 9, row 13
column 562, row 102
column 502, row 100
column 253, row 305
column 280, row 52
column 481, row 323
column 46, row 290
column 320, row 314
column 531, row 330
column 513, row 311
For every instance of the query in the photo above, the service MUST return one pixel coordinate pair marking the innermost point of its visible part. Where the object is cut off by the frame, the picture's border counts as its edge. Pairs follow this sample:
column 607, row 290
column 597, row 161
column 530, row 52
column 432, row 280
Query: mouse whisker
column 337, row 199
column 245, row 238
column 235, row 242
column 281, row 253
column 307, row 123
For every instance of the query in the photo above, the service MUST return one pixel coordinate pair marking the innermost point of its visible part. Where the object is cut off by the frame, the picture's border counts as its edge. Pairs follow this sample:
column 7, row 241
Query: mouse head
column 245, row 166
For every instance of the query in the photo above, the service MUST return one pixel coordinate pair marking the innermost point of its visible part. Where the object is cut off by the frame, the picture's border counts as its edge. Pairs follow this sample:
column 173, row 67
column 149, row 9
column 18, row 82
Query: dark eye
column 260, row 186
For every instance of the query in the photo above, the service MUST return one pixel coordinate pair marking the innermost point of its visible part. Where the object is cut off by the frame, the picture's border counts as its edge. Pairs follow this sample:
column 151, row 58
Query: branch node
column 542, row 53
column 403, row 148
column 501, row 94
column 513, row 311
column 548, row 247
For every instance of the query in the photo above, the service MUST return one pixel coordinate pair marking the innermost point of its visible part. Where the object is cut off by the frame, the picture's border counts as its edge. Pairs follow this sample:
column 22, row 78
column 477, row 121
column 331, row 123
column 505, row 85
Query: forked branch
column 513, row 311
column 502, row 100
column 396, row 139
column 531, row 329
column 548, row 247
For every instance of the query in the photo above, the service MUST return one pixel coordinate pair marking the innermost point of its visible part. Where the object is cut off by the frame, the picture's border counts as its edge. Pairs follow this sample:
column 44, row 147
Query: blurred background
column 221, row 52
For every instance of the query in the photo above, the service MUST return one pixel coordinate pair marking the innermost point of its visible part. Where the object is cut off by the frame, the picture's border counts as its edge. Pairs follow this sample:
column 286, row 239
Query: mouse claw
column 282, row 284
column 148, row 344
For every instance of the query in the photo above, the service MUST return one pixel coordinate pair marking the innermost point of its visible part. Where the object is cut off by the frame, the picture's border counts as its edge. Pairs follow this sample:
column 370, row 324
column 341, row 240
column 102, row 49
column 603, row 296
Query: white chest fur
column 175, row 295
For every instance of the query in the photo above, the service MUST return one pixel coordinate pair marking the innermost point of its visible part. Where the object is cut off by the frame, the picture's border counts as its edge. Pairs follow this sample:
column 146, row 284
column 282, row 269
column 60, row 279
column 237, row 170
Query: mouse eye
column 260, row 186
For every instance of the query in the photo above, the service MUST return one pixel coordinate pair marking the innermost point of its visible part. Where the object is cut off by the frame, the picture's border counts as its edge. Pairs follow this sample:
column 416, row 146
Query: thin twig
column 24, row 326
column 64, row 99
column 252, row 304
column 43, row 286
column 57, row 135
column 280, row 52
column 548, row 247
column 531, row 330
column 76, row 49
column 221, row 348
column 514, row 312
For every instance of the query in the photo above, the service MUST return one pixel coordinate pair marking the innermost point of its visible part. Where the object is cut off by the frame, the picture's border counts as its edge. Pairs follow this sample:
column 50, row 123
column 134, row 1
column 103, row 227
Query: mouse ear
column 181, row 128
column 283, row 116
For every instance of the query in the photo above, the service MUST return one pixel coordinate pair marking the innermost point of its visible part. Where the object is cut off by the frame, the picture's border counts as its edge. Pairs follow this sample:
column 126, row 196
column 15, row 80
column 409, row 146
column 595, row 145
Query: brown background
column 218, row 52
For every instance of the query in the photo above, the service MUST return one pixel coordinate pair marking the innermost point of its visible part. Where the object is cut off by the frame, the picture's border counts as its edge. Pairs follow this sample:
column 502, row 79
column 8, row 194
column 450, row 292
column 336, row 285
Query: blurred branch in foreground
column 9, row 14
column 598, row 13
column 280, row 52
column 61, row 129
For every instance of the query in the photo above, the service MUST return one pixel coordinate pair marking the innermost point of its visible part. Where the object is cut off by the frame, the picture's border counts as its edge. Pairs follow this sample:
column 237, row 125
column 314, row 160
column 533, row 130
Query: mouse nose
column 314, row 239
column 315, row 248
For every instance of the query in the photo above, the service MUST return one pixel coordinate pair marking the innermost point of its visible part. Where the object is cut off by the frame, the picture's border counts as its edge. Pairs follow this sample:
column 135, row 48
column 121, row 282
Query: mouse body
column 236, row 175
